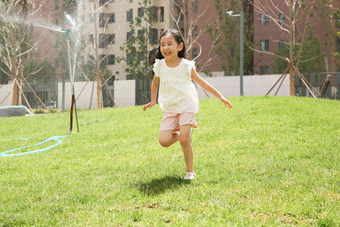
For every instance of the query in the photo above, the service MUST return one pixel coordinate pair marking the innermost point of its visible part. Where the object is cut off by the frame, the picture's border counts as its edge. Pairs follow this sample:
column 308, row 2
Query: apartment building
column 270, row 32
column 111, row 19
column 266, row 33
column 109, row 26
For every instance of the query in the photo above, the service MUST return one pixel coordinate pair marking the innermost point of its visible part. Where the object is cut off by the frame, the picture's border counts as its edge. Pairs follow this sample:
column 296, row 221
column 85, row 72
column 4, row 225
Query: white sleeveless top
column 177, row 93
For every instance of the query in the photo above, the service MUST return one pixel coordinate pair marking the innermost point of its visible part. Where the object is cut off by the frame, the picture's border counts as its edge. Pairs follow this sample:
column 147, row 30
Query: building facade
column 267, row 29
column 109, row 28
column 272, row 30
column 111, row 19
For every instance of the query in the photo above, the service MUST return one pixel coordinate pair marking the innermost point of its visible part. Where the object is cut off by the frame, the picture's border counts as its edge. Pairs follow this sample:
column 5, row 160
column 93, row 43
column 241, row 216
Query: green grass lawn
column 267, row 161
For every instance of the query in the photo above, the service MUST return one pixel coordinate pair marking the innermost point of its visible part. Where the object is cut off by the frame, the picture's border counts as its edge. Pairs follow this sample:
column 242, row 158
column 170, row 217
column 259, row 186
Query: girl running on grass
column 178, row 97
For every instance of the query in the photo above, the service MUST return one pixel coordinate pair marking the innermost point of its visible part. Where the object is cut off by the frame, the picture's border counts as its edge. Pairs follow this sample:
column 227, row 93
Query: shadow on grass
column 158, row 186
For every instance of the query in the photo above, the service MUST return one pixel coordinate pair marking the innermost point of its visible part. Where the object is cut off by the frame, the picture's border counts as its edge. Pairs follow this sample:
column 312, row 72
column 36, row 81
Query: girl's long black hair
column 156, row 53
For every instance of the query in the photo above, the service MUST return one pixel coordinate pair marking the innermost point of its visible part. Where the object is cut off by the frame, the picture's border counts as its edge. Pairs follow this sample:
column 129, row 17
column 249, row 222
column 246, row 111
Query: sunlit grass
column 267, row 161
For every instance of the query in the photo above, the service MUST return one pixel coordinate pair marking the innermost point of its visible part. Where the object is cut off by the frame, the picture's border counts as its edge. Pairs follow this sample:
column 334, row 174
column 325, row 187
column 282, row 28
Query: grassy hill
column 267, row 161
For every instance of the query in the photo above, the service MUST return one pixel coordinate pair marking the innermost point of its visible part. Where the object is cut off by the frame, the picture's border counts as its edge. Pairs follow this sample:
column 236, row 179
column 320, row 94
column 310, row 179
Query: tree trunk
column 15, row 93
column 20, row 93
column 15, row 85
column 97, row 60
column 291, row 46
column 99, row 102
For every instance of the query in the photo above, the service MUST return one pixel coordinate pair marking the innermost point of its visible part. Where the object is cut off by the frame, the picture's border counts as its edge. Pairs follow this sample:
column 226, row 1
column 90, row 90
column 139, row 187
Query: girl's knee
column 185, row 140
column 164, row 142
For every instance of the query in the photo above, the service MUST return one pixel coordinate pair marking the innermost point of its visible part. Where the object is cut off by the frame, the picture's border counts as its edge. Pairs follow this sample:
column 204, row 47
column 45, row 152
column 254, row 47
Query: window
column 141, row 33
column 112, row 60
column 110, row 82
column 129, row 37
column 102, row 20
column 264, row 70
column 281, row 44
column 195, row 7
column 337, row 20
column 194, row 53
column 282, row 19
column 102, row 40
column 153, row 36
column 111, row 38
column 195, row 31
column 91, row 58
column 129, row 15
column 102, row 56
column 103, row 59
column 232, row 52
column 264, row 45
column 161, row 19
column 337, row 44
column 154, row 12
column 140, row 12
column 264, row 18
column 91, row 38
column 112, row 18
column 102, row 2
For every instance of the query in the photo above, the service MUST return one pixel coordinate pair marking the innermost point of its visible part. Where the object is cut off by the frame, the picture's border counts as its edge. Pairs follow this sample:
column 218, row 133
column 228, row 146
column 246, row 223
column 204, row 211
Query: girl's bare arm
column 206, row 86
column 154, row 88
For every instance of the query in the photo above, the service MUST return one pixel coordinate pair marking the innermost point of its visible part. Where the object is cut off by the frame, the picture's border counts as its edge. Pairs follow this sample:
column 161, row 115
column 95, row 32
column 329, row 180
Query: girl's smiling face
column 169, row 47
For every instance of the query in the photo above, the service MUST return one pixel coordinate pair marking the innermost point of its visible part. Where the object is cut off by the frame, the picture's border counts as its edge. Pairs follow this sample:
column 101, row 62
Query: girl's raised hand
column 149, row 105
column 226, row 102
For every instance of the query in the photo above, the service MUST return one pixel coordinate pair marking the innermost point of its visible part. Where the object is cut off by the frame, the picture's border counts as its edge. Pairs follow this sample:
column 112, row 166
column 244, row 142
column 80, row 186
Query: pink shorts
column 172, row 121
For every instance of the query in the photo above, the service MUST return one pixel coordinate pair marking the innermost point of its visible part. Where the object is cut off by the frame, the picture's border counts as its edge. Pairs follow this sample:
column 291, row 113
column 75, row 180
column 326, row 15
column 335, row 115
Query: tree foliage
column 17, row 47
column 311, row 59
column 225, row 35
column 139, row 43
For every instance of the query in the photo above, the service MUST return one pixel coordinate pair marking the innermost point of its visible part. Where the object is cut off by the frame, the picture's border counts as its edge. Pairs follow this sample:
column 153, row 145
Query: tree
column 140, row 40
column 311, row 59
column 185, row 16
column 225, row 32
column 92, row 47
column 17, row 46
column 296, row 17
column 329, row 13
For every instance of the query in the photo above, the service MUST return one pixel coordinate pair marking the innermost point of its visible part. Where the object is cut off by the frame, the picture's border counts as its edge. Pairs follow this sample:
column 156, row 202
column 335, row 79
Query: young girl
column 177, row 95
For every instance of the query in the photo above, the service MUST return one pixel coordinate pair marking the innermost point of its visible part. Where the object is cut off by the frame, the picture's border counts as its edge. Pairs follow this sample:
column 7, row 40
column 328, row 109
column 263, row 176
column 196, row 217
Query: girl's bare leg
column 185, row 141
column 168, row 137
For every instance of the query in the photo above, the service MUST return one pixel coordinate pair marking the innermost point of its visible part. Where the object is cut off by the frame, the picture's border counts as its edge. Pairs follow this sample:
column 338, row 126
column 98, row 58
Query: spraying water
column 11, row 19
column 77, row 26
column 100, row 8
column 49, row 27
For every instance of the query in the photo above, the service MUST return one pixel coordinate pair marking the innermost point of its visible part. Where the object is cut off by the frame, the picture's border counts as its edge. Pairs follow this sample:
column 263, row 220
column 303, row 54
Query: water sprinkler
column 73, row 102
column 67, row 31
